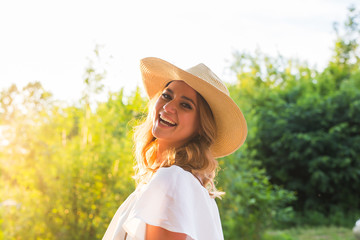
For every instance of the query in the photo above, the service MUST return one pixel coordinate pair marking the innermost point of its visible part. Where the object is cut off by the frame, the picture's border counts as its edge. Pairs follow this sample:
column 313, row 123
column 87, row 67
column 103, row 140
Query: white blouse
column 174, row 200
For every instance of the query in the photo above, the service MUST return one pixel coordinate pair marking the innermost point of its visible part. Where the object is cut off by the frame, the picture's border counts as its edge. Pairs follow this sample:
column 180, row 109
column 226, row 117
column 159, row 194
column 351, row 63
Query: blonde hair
column 195, row 156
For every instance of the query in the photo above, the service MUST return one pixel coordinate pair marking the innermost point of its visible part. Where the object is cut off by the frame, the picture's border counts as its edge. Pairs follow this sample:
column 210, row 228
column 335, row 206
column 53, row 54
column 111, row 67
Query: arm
column 159, row 233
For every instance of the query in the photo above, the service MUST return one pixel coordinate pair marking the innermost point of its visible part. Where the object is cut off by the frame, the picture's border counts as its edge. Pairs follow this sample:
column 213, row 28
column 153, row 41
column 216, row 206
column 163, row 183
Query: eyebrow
column 184, row 97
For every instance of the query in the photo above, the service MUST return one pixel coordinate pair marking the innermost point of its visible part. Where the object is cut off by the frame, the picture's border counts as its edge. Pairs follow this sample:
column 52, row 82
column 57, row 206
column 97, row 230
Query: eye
column 186, row 105
column 166, row 96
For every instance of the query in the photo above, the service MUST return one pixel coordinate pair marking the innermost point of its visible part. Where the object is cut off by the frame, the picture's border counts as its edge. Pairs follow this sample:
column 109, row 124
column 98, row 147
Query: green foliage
column 312, row 147
column 305, row 125
column 251, row 203
column 279, row 236
column 307, row 233
column 67, row 168
column 336, row 217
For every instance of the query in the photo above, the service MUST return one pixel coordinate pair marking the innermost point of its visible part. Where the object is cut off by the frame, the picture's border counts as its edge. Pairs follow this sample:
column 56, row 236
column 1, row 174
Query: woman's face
column 176, row 115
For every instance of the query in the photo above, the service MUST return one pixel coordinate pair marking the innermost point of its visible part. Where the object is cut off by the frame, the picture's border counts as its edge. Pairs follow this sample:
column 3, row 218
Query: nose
column 170, row 107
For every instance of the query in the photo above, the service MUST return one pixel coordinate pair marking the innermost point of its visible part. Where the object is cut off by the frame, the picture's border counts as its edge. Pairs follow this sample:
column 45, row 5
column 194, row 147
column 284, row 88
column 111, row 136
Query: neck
column 161, row 151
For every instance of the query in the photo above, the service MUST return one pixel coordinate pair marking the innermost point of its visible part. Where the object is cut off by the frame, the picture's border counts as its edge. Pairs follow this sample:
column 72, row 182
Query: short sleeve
column 175, row 200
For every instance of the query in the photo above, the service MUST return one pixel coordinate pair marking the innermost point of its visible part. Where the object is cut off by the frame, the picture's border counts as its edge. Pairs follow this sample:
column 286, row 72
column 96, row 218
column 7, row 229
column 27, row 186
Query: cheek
column 157, row 106
column 197, row 124
column 193, row 122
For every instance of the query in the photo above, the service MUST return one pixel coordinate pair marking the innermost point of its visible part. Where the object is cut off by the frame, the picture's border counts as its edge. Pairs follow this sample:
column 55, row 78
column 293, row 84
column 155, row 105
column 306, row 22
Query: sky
column 52, row 41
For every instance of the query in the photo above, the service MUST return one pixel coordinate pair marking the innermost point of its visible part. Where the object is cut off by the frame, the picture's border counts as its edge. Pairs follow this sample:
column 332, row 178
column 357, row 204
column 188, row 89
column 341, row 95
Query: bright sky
column 50, row 41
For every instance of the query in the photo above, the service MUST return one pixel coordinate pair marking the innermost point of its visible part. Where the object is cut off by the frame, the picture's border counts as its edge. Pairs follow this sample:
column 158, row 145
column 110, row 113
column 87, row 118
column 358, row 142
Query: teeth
column 167, row 120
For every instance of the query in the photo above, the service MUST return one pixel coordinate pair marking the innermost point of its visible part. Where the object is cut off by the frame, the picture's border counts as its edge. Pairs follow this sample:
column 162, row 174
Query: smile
column 166, row 121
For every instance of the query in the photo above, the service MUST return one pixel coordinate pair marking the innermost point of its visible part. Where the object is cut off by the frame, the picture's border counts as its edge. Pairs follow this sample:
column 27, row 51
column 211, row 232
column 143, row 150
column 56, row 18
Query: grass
column 311, row 233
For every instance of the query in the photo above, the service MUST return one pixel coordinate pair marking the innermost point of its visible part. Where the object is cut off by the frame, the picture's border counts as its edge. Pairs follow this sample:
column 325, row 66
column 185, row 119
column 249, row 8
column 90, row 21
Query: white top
column 173, row 199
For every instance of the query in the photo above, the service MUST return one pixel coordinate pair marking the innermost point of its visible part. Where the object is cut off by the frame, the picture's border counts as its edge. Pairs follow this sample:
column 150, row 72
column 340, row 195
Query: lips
column 166, row 121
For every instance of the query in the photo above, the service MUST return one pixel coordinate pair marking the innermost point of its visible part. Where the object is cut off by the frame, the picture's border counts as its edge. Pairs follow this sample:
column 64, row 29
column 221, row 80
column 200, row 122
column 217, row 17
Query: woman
column 191, row 121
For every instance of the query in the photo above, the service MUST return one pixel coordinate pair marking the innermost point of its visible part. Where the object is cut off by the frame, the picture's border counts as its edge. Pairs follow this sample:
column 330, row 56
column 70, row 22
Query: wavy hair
column 194, row 156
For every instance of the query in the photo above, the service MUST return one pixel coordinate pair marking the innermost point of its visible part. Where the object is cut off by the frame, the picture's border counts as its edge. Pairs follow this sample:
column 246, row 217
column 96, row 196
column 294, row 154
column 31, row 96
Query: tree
column 305, row 123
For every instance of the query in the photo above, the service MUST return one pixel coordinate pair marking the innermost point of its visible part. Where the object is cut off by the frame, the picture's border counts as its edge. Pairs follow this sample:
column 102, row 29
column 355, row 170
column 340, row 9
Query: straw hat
column 230, row 122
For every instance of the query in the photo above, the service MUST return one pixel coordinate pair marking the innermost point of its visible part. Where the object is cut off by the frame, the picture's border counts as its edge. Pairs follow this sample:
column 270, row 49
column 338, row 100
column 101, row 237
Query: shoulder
column 175, row 180
column 174, row 174
column 175, row 200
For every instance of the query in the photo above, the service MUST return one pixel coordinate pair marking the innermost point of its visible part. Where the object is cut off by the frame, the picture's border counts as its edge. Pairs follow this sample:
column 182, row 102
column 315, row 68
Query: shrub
column 251, row 203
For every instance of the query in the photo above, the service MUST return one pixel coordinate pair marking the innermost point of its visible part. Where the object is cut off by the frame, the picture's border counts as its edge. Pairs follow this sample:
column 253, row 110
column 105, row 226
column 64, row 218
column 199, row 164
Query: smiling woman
column 176, row 118
column 191, row 121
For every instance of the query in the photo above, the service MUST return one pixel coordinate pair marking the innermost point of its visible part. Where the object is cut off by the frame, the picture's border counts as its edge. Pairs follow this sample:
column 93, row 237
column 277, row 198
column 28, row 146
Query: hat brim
column 230, row 122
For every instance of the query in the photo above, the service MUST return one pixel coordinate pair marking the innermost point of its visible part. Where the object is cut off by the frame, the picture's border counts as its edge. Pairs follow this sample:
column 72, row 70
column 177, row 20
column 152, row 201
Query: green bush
column 304, row 125
column 336, row 217
column 251, row 203
column 312, row 146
